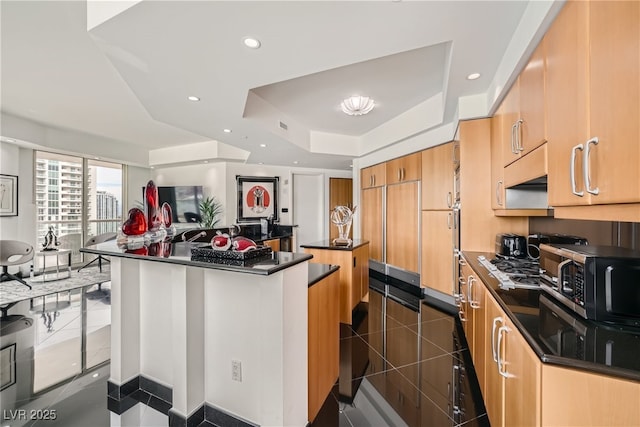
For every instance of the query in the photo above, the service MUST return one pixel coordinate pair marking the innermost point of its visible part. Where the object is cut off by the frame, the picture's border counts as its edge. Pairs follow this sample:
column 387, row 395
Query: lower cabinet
column 512, row 377
column 323, row 340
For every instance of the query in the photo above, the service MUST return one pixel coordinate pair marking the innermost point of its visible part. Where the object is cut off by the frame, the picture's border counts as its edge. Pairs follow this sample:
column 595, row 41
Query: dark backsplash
column 624, row 234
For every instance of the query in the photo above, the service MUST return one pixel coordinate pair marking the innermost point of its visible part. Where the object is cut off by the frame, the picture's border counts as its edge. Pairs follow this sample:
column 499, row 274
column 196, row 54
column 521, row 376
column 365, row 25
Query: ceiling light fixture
column 193, row 98
column 473, row 76
column 263, row 145
column 357, row 105
column 251, row 43
column 295, row 162
column 226, row 130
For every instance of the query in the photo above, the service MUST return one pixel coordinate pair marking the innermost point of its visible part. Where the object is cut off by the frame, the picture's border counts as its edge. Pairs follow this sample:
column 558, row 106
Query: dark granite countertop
column 318, row 272
column 561, row 337
column 328, row 244
column 180, row 253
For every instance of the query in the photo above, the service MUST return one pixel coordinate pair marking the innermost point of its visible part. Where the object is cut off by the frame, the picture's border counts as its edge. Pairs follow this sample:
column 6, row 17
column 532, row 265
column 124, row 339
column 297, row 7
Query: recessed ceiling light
column 295, row 162
column 260, row 163
column 152, row 167
column 251, row 42
column 227, row 130
column 206, row 161
column 263, row 145
column 351, row 165
column 473, row 76
column 95, row 375
column 193, row 98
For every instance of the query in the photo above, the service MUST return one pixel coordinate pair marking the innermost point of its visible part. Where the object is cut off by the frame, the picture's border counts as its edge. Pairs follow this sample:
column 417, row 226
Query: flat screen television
column 184, row 201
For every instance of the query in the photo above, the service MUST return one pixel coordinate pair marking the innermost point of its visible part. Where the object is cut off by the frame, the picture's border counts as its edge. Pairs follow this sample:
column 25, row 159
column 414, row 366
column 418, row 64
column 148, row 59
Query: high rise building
column 106, row 208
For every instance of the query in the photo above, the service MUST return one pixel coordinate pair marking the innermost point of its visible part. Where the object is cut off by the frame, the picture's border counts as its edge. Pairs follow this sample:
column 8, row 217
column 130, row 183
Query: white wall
column 15, row 160
column 219, row 180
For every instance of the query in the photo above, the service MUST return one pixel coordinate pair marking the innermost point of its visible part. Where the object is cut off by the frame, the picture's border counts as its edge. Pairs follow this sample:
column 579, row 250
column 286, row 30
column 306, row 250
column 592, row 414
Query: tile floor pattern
column 402, row 363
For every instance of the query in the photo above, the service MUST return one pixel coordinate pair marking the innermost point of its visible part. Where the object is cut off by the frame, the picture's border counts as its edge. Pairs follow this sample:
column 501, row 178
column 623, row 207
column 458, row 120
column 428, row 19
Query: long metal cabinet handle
column 449, row 199
column 501, row 370
column 519, row 144
column 493, row 338
column 586, row 165
column 572, row 169
column 498, row 185
column 399, row 174
column 514, row 149
column 472, row 302
column 449, row 218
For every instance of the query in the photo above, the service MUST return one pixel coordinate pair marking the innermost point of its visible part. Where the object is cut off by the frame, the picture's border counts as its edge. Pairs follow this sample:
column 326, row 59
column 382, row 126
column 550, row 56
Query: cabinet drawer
column 527, row 168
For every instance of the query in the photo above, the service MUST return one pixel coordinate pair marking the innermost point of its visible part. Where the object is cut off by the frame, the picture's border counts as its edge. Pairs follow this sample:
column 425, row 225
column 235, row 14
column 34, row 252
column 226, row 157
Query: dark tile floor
column 402, row 363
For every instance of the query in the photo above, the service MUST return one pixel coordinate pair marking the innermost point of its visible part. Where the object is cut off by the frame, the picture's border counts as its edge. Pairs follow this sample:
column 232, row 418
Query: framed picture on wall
column 8, row 366
column 8, row 195
column 257, row 197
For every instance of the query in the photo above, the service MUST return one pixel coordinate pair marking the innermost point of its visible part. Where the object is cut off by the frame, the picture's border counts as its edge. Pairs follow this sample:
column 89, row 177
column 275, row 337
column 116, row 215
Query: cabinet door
column 614, row 89
column 531, row 131
column 437, row 177
column 402, row 226
column 373, row 176
column 360, row 284
column 477, row 297
column 509, row 111
column 522, row 385
column 406, row 168
column 497, row 164
column 567, row 50
column 494, row 384
column 437, row 251
column 371, row 213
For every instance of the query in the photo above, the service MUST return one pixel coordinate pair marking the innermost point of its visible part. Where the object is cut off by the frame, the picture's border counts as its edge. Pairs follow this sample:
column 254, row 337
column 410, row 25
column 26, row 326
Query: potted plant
column 210, row 210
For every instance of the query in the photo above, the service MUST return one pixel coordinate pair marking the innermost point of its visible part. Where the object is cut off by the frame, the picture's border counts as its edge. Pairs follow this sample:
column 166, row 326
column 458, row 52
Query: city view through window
column 75, row 204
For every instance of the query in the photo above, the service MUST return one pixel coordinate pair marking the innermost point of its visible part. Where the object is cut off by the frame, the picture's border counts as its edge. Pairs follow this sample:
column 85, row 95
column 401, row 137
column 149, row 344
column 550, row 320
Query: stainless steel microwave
column 600, row 283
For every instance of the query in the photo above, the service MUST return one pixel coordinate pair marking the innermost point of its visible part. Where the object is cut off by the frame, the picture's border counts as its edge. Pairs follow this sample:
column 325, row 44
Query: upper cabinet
column 522, row 110
column 373, row 176
column 437, row 176
column 593, row 110
column 406, row 168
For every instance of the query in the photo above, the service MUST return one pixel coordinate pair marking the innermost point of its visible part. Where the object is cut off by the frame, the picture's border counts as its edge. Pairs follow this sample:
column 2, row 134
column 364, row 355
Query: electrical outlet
column 236, row 370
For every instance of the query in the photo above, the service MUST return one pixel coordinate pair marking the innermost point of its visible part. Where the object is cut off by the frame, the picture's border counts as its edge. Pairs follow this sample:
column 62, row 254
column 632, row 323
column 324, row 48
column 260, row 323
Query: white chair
column 14, row 252
column 100, row 238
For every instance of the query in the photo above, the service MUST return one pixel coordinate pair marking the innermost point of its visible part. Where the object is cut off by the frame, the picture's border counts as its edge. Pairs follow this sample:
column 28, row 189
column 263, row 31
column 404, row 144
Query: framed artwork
column 8, row 195
column 257, row 197
column 8, row 366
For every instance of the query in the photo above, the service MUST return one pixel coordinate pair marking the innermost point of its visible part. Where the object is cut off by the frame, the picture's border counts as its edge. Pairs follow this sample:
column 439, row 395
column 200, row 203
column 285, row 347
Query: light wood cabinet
column 523, row 120
column 371, row 216
column 373, row 176
column 604, row 401
column 274, row 244
column 497, row 164
column 402, row 236
column 593, row 70
column 323, row 340
column 513, row 372
column 437, row 251
column 437, row 177
column 403, row 169
column 354, row 274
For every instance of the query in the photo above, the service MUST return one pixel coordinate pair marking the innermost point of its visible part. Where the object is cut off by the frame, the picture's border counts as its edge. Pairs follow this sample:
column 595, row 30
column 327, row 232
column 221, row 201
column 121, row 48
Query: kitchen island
column 218, row 340
column 354, row 270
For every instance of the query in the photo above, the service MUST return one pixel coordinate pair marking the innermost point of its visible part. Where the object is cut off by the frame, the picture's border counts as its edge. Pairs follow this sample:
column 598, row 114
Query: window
column 79, row 198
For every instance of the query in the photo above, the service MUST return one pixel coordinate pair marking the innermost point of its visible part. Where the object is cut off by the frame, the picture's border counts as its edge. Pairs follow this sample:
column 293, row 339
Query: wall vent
column 283, row 125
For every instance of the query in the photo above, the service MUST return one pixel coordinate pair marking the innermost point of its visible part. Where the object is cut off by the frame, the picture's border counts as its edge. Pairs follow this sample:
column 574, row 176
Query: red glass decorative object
column 167, row 215
column 136, row 223
column 160, row 249
column 154, row 219
column 242, row 244
column 221, row 242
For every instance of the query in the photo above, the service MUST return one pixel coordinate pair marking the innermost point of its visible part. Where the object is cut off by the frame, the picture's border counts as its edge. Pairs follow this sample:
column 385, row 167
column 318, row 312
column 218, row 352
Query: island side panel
column 246, row 320
column 188, row 340
column 125, row 320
